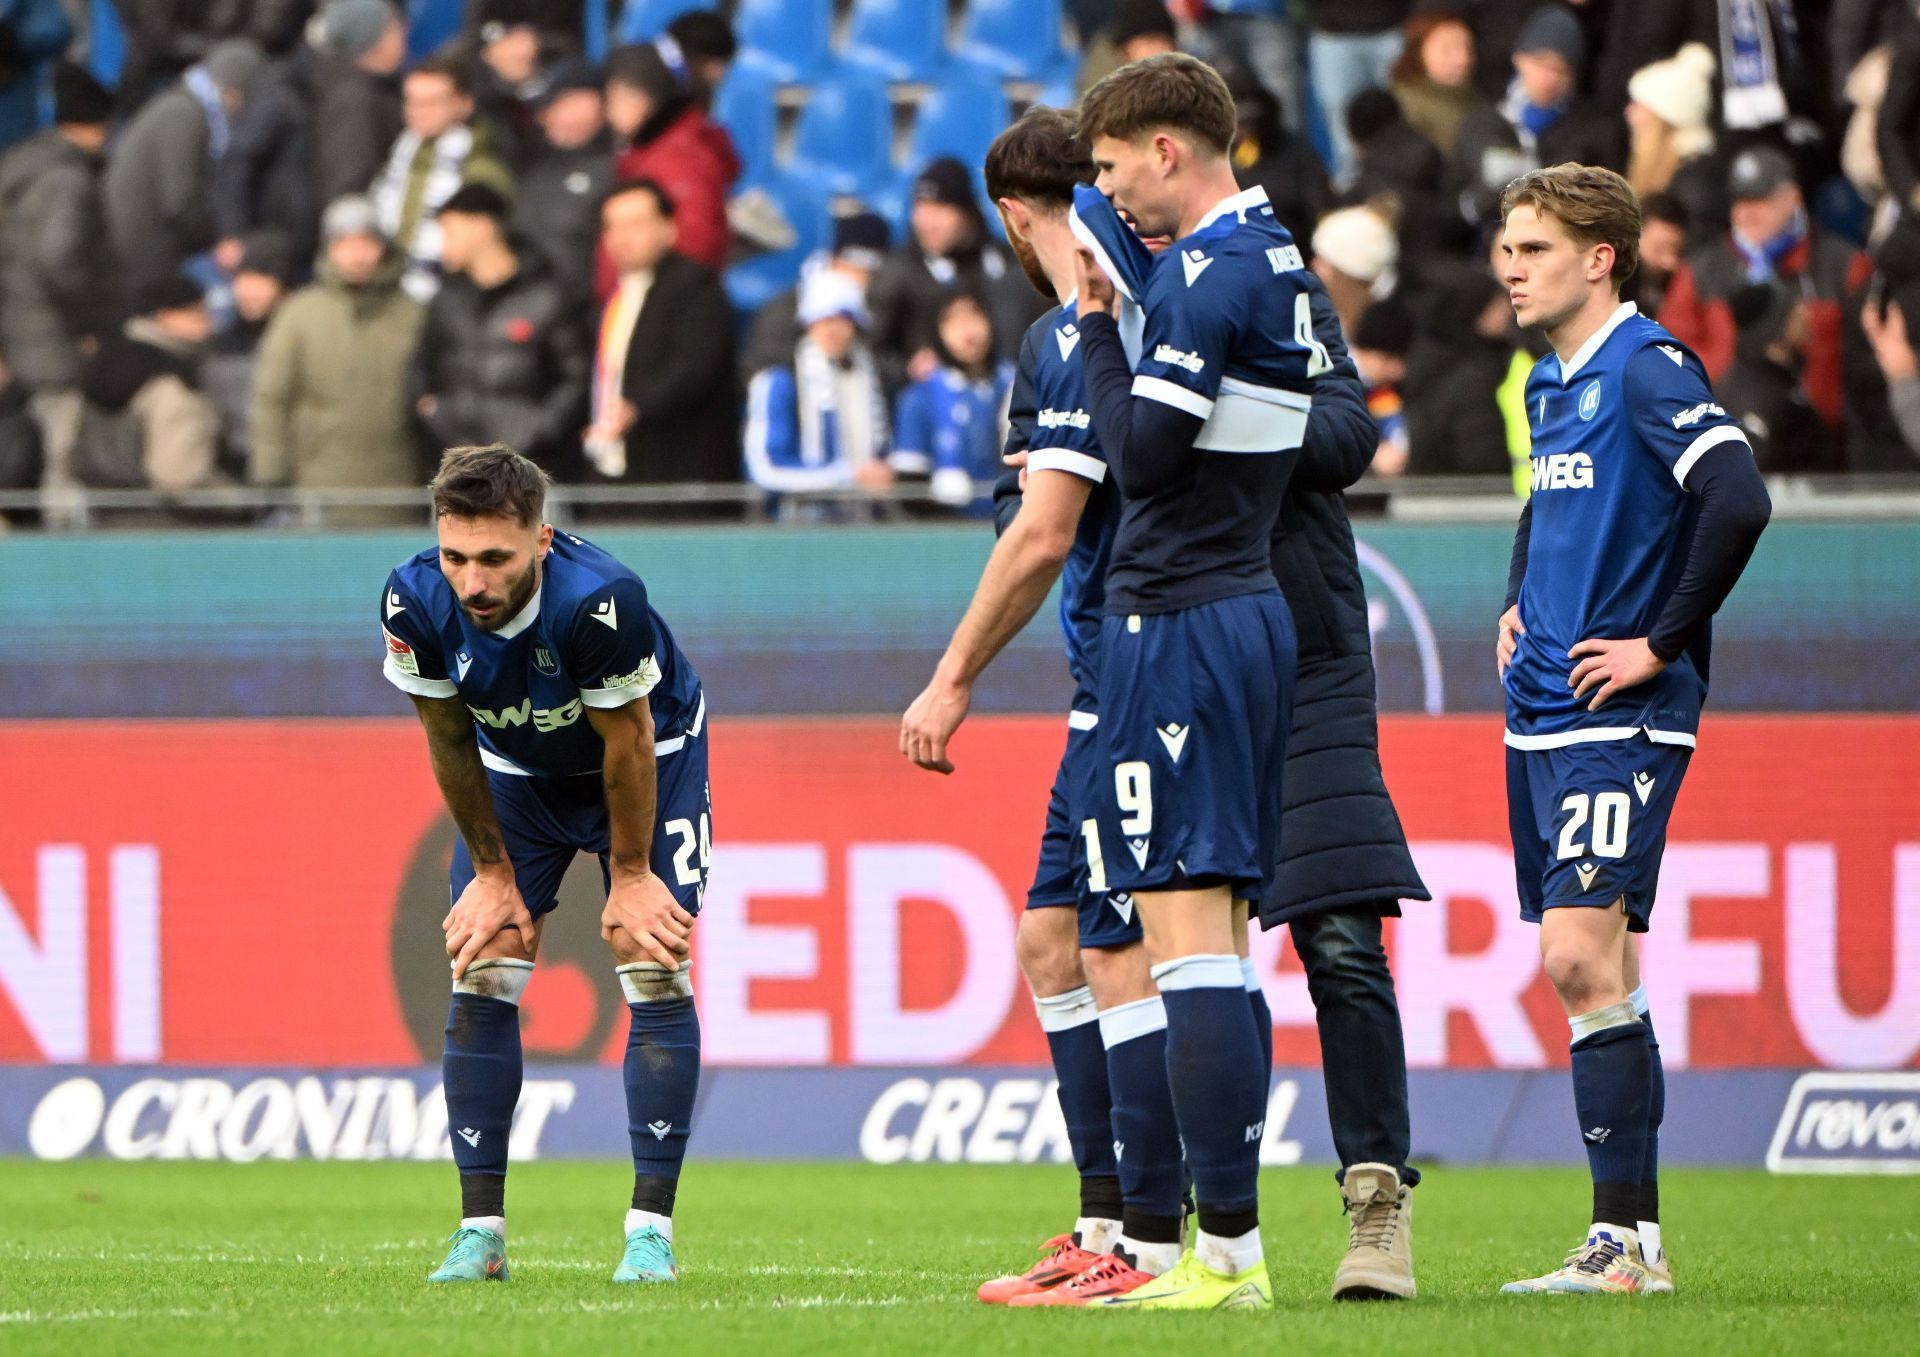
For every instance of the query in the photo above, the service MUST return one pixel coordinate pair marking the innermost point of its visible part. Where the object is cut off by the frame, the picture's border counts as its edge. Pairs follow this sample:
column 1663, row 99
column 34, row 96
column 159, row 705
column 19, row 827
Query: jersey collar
column 1240, row 204
column 524, row 618
column 1621, row 315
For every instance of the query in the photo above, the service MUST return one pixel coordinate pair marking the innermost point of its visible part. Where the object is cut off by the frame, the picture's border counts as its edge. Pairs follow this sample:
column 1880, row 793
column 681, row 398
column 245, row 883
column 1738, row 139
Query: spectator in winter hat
column 1671, row 141
column 557, row 210
column 948, row 251
column 329, row 398
column 1540, row 121
column 356, row 110
column 1354, row 253
column 159, row 181
column 858, row 249
column 819, row 420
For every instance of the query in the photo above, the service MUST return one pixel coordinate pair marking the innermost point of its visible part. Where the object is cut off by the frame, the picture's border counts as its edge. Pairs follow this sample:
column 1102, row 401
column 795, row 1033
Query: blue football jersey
column 1229, row 338
column 587, row 638
column 1615, row 433
column 1063, row 440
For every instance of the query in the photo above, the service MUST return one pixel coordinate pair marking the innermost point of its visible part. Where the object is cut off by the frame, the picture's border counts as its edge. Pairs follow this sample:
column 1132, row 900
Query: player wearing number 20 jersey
column 1645, row 507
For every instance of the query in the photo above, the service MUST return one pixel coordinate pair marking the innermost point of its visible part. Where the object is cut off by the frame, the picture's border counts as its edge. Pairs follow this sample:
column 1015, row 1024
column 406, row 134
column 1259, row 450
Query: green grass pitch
column 840, row 1259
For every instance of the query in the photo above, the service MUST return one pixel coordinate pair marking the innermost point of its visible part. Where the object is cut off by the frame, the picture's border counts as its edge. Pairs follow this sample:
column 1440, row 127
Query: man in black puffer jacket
column 503, row 357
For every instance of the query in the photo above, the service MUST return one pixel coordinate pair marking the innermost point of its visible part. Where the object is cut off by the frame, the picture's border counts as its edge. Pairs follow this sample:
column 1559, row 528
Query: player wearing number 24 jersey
column 1645, row 507
column 561, row 718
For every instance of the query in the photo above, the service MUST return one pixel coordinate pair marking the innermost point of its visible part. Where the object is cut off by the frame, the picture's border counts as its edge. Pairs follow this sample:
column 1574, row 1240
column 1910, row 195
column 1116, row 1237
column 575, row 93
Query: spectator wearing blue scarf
column 1541, row 121
column 159, row 180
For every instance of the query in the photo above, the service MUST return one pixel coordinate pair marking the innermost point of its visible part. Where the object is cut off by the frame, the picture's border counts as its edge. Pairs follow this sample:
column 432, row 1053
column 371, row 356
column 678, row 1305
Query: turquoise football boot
column 649, row 1258
column 476, row 1256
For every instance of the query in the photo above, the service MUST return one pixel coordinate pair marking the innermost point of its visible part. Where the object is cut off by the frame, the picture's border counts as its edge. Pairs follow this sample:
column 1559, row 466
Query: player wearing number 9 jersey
column 1645, row 507
column 561, row 718
column 1197, row 649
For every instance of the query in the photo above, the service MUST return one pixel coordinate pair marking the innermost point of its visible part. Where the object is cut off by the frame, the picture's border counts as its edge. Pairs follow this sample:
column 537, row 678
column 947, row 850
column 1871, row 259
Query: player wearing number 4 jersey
column 1645, row 508
column 561, row 718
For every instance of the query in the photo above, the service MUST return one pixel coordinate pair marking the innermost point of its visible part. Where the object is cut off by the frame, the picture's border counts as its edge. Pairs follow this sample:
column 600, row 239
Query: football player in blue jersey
column 1078, row 945
column 1645, row 508
column 1197, row 646
column 561, row 718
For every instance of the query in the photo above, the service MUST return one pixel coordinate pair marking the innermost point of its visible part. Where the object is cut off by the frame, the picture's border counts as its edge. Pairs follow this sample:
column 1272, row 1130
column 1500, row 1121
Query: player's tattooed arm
column 642, row 920
column 490, row 907
column 462, row 778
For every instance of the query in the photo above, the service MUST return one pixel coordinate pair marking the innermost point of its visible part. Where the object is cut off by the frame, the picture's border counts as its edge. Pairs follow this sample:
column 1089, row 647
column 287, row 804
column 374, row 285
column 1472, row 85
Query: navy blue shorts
column 1589, row 823
column 546, row 820
column 1194, row 711
column 1072, row 868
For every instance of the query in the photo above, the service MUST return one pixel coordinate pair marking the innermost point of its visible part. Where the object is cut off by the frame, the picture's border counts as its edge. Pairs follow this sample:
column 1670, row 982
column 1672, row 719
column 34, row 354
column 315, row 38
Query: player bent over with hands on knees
column 1646, row 506
column 561, row 718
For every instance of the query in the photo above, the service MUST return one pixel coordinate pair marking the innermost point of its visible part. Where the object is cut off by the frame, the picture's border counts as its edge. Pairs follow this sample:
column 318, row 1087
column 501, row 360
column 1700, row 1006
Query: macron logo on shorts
column 1643, row 786
column 1174, row 736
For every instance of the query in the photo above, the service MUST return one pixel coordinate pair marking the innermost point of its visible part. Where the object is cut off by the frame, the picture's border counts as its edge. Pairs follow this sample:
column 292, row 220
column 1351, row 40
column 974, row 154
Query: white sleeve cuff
column 908, row 462
column 1066, row 459
column 1164, row 391
column 414, row 684
column 1712, row 438
column 618, row 692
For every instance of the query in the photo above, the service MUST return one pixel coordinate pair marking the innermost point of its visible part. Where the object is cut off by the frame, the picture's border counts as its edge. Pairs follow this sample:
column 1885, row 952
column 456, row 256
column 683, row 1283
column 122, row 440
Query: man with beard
column 561, row 718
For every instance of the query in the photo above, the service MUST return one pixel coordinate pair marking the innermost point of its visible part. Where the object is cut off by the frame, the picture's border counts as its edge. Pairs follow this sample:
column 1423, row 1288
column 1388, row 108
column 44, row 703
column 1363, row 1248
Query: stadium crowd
column 270, row 242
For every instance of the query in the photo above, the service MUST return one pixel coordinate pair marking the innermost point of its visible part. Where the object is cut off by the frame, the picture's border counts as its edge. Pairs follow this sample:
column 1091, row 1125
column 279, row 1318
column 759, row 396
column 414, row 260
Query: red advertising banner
column 271, row 893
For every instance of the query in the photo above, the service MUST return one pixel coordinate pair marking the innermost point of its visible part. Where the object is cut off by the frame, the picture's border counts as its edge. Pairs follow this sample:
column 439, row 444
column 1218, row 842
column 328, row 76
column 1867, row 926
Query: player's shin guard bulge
column 481, row 1066
column 1214, row 1069
column 662, row 1069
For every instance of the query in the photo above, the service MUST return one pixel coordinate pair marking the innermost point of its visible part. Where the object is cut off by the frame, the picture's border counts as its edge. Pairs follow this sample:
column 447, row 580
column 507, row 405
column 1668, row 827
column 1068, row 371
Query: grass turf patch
column 830, row 1258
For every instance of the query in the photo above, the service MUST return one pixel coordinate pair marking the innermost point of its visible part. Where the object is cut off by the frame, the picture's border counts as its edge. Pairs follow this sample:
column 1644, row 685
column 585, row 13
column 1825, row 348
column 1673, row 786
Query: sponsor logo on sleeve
column 1064, row 419
column 1166, row 353
column 400, row 655
column 644, row 678
column 1696, row 414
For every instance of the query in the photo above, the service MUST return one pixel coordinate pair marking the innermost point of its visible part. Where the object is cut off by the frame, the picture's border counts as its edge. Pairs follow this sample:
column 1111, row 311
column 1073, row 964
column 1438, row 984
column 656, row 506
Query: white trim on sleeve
column 1066, row 459
column 1712, row 438
column 413, row 683
column 1164, row 391
column 618, row 692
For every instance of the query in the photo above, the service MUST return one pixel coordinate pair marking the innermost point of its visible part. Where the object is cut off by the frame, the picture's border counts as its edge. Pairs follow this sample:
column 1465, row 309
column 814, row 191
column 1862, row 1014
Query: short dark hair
column 1039, row 159
column 490, row 482
column 651, row 187
column 447, row 68
column 1172, row 90
column 476, row 200
column 1597, row 206
column 703, row 34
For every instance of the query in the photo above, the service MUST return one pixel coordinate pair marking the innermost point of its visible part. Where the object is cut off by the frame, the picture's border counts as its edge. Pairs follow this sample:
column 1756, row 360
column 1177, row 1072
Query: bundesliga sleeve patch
column 400, row 654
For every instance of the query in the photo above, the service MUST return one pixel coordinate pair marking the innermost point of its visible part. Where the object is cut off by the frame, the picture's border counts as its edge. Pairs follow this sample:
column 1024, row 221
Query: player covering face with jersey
column 1645, row 507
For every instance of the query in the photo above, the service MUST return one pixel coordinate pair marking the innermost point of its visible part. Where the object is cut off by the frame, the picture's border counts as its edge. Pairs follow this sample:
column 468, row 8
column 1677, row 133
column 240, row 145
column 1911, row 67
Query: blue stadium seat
column 786, row 38
column 106, row 43
column 753, row 282
column 744, row 106
column 1060, row 93
column 903, row 40
column 843, row 139
column 962, row 116
column 1019, row 38
column 645, row 20
column 431, row 23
